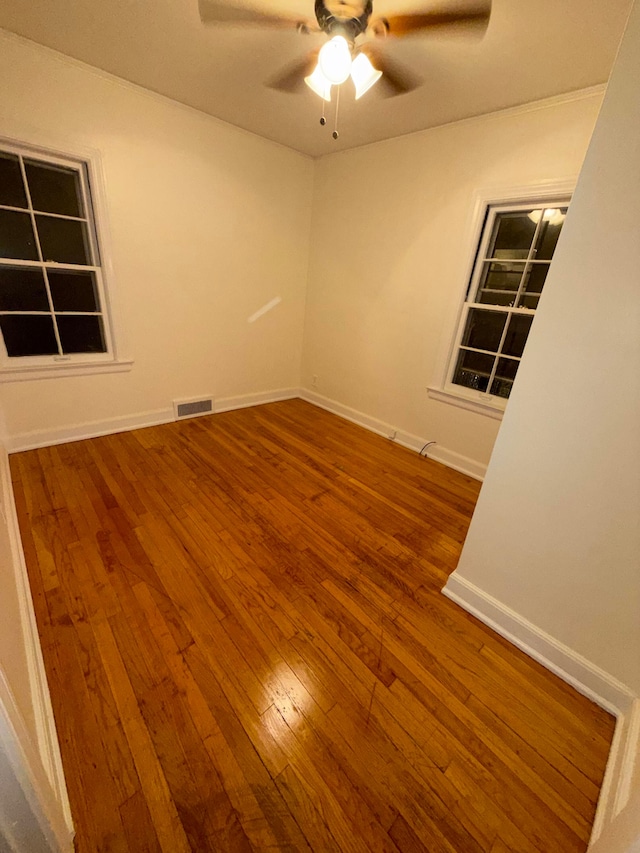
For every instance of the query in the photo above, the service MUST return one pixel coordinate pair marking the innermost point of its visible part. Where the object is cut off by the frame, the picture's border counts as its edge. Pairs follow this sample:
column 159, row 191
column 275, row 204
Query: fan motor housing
column 330, row 19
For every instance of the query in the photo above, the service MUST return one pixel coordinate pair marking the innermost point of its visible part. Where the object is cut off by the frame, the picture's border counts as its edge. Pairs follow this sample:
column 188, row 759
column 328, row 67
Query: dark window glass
column 505, row 374
column 549, row 232
column 473, row 370
column 502, row 276
column 11, row 184
column 499, row 283
column 28, row 334
column 73, row 291
column 16, row 236
column 484, row 329
column 63, row 240
column 517, row 333
column 80, row 334
column 54, row 189
column 22, row 289
column 529, row 300
column 536, row 277
column 513, row 236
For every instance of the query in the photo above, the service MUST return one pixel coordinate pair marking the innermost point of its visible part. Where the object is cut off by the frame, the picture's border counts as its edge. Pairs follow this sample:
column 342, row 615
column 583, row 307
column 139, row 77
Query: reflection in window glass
column 50, row 276
column 513, row 255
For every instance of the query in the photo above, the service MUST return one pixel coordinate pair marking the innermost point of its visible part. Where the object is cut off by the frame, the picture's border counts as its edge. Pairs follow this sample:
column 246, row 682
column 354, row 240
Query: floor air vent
column 192, row 408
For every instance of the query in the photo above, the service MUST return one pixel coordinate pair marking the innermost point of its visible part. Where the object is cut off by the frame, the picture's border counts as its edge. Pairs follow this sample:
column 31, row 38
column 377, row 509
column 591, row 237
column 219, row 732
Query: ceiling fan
column 354, row 40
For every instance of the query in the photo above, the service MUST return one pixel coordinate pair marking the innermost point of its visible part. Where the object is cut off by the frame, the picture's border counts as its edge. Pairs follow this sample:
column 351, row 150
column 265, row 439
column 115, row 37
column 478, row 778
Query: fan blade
column 397, row 79
column 213, row 12
column 466, row 17
column 292, row 78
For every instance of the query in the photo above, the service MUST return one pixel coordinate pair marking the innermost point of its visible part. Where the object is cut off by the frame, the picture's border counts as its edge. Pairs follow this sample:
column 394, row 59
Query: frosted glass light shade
column 334, row 60
column 319, row 84
column 552, row 215
column 363, row 74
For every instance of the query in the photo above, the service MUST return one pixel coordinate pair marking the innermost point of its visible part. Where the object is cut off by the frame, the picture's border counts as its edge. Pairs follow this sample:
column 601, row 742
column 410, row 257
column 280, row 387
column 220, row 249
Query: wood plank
column 247, row 649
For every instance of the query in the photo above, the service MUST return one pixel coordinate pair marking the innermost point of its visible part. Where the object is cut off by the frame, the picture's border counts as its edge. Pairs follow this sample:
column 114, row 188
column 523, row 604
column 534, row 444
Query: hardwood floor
column 247, row 649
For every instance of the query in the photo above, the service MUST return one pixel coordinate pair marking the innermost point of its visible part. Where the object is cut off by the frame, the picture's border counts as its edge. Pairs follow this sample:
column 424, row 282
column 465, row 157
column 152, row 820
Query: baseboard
column 623, row 762
column 22, row 771
column 47, row 738
column 93, row 429
column 89, row 429
column 447, row 457
column 245, row 401
column 623, row 767
column 585, row 676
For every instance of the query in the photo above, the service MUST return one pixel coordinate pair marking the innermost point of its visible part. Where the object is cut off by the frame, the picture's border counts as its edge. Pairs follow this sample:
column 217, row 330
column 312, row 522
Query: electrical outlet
column 314, row 381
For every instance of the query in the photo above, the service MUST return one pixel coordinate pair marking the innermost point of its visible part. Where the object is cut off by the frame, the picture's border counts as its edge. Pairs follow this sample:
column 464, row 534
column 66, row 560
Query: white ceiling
column 532, row 49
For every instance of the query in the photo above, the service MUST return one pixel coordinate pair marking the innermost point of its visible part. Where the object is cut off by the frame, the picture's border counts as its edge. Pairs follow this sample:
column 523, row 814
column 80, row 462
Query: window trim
column 442, row 389
column 89, row 160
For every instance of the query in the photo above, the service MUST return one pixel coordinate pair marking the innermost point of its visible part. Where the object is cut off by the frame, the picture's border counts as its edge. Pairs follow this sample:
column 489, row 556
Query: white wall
column 556, row 532
column 208, row 223
column 389, row 256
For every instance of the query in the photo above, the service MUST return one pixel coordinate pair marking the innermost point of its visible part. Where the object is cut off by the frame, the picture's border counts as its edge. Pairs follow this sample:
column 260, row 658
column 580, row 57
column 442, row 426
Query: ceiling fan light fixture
column 363, row 74
column 334, row 60
column 552, row 215
column 319, row 84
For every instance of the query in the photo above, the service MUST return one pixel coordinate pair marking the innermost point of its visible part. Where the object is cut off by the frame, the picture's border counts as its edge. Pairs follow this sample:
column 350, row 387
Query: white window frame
column 442, row 389
column 87, row 163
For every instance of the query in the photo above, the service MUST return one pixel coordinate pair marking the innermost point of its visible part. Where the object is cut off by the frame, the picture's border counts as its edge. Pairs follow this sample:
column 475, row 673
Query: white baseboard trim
column 585, row 676
column 47, row 738
column 245, row 401
column 454, row 460
column 93, row 429
column 32, row 809
column 89, row 429
column 623, row 767
column 624, row 756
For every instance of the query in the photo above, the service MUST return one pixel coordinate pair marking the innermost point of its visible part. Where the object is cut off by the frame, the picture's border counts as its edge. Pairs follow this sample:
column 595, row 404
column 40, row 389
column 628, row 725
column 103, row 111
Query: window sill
column 57, row 371
column 477, row 403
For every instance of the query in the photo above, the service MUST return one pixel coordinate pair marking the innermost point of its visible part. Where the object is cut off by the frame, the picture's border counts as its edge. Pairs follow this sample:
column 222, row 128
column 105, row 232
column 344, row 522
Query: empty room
column 319, row 405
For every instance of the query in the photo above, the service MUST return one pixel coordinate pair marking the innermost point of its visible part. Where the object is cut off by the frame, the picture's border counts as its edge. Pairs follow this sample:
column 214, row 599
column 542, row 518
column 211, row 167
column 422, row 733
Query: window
column 511, row 265
column 52, row 300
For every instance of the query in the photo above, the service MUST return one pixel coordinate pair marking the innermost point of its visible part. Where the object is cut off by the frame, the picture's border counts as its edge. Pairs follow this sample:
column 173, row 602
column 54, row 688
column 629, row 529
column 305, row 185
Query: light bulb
column 319, row 84
column 334, row 60
column 363, row 74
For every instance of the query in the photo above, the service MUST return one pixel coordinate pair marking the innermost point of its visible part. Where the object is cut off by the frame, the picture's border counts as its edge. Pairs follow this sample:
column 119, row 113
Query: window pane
column 484, row 329
column 517, row 334
column 529, row 300
column 536, row 277
column 22, row 289
column 16, row 236
column 54, row 189
column 505, row 374
column 11, row 184
column 73, row 291
column 499, row 283
column 63, row 240
column 80, row 334
column 28, row 334
column 512, row 237
column 473, row 370
column 552, row 221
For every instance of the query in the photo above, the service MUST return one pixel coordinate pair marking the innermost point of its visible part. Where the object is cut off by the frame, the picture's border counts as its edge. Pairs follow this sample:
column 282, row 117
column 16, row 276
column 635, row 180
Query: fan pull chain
column 323, row 120
column 335, row 133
